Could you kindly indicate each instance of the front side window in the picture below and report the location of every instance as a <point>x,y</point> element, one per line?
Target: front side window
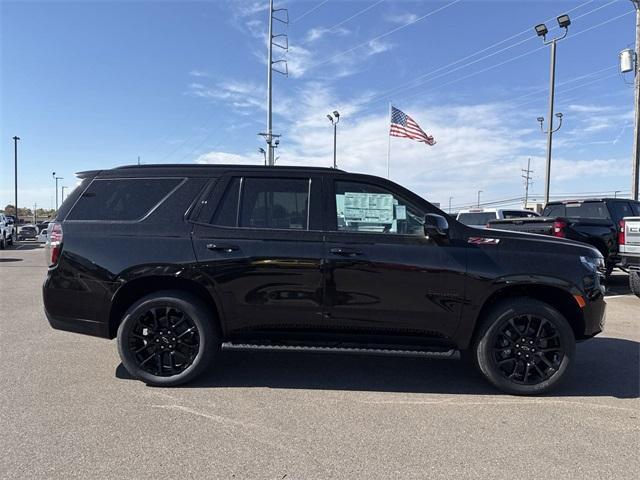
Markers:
<point>275,203</point>
<point>366,208</point>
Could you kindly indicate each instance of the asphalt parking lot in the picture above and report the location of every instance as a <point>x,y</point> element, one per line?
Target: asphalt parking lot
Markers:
<point>69,410</point>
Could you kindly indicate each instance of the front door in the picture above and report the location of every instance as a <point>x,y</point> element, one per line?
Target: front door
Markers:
<point>259,243</point>
<point>383,274</point>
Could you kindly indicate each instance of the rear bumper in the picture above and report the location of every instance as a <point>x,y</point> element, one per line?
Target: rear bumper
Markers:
<point>631,262</point>
<point>57,301</point>
<point>79,325</point>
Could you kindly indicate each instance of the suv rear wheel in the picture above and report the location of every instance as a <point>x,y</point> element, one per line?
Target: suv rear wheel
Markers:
<point>167,338</point>
<point>524,346</point>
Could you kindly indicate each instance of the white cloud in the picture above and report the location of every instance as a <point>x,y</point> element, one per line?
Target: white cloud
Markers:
<point>199,74</point>
<point>320,32</point>
<point>402,18</point>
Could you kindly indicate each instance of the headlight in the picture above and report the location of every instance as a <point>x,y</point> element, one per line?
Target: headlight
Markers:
<point>594,264</point>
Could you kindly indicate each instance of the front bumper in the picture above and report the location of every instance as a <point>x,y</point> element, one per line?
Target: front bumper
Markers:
<point>594,312</point>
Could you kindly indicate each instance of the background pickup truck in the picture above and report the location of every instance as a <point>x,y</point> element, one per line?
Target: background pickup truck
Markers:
<point>7,231</point>
<point>629,238</point>
<point>594,221</point>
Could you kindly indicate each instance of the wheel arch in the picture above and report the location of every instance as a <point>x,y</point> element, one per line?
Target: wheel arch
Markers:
<point>133,290</point>
<point>555,296</point>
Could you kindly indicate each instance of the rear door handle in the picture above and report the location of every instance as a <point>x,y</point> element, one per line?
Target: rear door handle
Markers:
<point>222,247</point>
<point>347,252</point>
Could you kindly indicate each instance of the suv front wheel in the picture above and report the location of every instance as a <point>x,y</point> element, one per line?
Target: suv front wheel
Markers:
<point>167,338</point>
<point>524,346</point>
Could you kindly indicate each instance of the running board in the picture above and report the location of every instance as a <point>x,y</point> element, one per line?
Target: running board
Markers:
<point>444,354</point>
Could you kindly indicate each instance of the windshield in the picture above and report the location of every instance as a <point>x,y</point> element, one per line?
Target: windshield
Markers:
<point>476,218</point>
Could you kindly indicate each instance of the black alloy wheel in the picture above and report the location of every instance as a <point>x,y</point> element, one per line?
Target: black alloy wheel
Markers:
<point>167,338</point>
<point>524,346</point>
<point>164,341</point>
<point>528,350</point>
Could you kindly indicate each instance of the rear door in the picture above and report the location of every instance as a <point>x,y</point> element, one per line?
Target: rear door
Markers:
<point>258,242</point>
<point>383,274</point>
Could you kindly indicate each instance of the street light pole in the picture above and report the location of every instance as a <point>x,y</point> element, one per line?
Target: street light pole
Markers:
<point>63,187</point>
<point>56,179</point>
<point>541,30</point>
<point>334,119</point>
<point>15,157</point>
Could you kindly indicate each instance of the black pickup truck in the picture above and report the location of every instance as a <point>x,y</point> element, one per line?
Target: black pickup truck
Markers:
<point>593,221</point>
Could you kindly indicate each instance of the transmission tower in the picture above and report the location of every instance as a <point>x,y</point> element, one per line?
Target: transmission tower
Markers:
<point>281,41</point>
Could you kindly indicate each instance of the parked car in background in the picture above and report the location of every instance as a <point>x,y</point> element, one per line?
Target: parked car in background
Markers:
<point>7,231</point>
<point>43,234</point>
<point>479,217</point>
<point>179,261</point>
<point>28,232</point>
<point>594,221</point>
<point>629,240</point>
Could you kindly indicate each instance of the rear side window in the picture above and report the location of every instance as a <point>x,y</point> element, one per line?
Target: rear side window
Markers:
<point>636,209</point>
<point>553,211</point>
<point>227,213</point>
<point>122,199</point>
<point>275,203</point>
<point>509,214</point>
<point>621,210</point>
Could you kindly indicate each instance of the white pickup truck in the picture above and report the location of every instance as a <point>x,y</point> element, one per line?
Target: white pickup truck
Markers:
<point>629,240</point>
<point>7,231</point>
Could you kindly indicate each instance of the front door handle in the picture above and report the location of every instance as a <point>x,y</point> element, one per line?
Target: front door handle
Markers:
<point>222,247</point>
<point>347,252</point>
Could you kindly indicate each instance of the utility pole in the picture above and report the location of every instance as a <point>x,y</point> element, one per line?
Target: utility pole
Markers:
<point>35,213</point>
<point>635,169</point>
<point>450,198</point>
<point>138,161</point>
<point>526,175</point>
<point>15,157</point>
<point>541,31</point>
<point>268,135</point>
<point>479,192</point>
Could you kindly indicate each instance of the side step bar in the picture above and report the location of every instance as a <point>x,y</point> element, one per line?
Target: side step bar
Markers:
<point>444,354</point>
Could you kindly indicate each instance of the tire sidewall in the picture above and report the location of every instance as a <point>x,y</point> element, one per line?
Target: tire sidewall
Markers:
<point>200,315</point>
<point>634,283</point>
<point>494,322</point>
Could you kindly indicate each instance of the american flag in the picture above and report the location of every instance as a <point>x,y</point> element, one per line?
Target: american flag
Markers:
<point>402,125</point>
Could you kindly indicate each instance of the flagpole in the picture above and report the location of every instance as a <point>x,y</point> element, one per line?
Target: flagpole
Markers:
<point>389,146</point>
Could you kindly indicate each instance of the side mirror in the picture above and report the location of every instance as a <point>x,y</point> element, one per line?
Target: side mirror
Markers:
<point>435,226</point>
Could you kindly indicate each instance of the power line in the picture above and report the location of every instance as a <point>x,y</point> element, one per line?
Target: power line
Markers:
<point>412,83</point>
<point>355,15</point>
<point>385,96</point>
<point>512,59</point>
<point>390,32</point>
<point>309,12</point>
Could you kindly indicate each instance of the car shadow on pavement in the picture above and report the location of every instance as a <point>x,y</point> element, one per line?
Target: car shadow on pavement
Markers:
<point>28,246</point>
<point>618,284</point>
<point>604,367</point>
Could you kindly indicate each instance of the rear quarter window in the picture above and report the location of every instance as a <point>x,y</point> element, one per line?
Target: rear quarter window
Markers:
<point>122,199</point>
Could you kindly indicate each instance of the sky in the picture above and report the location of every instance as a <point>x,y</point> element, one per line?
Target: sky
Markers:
<point>94,84</point>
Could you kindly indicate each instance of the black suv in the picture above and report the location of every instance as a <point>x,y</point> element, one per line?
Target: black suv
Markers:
<point>179,261</point>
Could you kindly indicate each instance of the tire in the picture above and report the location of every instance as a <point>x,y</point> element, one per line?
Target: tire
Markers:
<point>549,347</point>
<point>9,240</point>
<point>634,283</point>
<point>155,335</point>
<point>3,243</point>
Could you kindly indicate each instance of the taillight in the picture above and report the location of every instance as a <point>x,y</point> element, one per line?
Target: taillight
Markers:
<point>559,229</point>
<point>621,237</point>
<point>55,243</point>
